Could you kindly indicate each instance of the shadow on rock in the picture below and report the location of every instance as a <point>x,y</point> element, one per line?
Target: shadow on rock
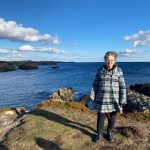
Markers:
<point>47,145</point>
<point>61,120</point>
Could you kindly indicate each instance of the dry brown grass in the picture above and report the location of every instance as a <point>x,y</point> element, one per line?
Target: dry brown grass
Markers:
<point>71,126</point>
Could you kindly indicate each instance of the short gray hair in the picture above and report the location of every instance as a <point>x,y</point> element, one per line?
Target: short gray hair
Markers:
<point>108,53</point>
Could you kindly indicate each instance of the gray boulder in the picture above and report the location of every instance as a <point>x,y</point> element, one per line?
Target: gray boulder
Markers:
<point>141,88</point>
<point>137,102</point>
<point>9,118</point>
<point>63,94</point>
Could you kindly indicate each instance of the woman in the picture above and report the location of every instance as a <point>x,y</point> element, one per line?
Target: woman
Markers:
<point>109,94</point>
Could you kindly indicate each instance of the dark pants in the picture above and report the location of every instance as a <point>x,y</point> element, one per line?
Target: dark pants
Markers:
<point>100,121</point>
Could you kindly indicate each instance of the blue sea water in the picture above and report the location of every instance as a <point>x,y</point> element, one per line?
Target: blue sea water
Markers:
<point>27,88</point>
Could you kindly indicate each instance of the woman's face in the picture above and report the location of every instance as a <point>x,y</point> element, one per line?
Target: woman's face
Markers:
<point>110,61</point>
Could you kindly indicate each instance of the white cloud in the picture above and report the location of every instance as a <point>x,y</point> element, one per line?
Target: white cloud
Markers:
<point>17,55</point>
<point>12,31</point>
<point>45,49</point>
<point>142,38</point>
<point>130,53</point>
<point>12,54</point>
<point>26,48</point>
<point>3,51</point>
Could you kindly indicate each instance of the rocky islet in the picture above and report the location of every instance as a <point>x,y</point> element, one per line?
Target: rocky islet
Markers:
<point>24,65</point>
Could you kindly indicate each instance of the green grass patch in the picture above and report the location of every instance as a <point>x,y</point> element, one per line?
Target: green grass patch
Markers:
<point>65,105</point>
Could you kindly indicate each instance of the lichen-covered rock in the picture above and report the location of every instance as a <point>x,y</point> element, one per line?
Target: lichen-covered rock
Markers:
<point>8,119</point>
<point>63,94</point>
<point>137,102</point>
<point>141,88</point>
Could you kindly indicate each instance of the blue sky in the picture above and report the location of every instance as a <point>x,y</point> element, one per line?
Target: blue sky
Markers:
<point>74,30</point>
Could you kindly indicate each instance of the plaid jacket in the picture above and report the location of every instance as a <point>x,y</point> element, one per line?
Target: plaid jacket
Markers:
<point>109,90</point>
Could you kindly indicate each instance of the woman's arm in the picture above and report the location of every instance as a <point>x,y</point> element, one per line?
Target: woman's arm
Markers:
<point>96,83</point>
<point>122,89</point>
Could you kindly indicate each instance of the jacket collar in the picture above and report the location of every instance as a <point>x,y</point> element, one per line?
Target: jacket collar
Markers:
<point>104,70</point>
<point>114,66</point>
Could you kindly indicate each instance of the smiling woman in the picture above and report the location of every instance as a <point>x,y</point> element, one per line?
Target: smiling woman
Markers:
<point>109,94</point>
<point>110,58</point>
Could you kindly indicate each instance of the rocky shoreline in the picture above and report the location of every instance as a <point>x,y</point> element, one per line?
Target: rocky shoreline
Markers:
<point>136,102</point>
<point>25,65</point>
<point>12,117</point>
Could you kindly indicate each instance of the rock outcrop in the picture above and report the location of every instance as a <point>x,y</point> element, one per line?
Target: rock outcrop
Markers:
<point>63,94</point>
<point>18,63</point>
<point>28,66</point>
<point>25,65</point>
<point>4,67</point>
<point>141,88</point>
<point>9,119</point>
<point>137,102</point>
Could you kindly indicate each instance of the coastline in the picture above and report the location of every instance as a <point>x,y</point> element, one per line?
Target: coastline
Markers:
<point>58,118</point>
<point>6,66</point>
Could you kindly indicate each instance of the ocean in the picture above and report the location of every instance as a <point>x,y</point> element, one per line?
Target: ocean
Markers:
<point>27,88</point>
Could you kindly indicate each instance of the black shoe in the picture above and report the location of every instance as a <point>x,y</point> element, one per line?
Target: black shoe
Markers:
<point>110,136</point>
<point>98,138</point>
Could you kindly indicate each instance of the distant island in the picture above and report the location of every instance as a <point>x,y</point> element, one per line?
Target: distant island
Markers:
<point>25,65</point>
